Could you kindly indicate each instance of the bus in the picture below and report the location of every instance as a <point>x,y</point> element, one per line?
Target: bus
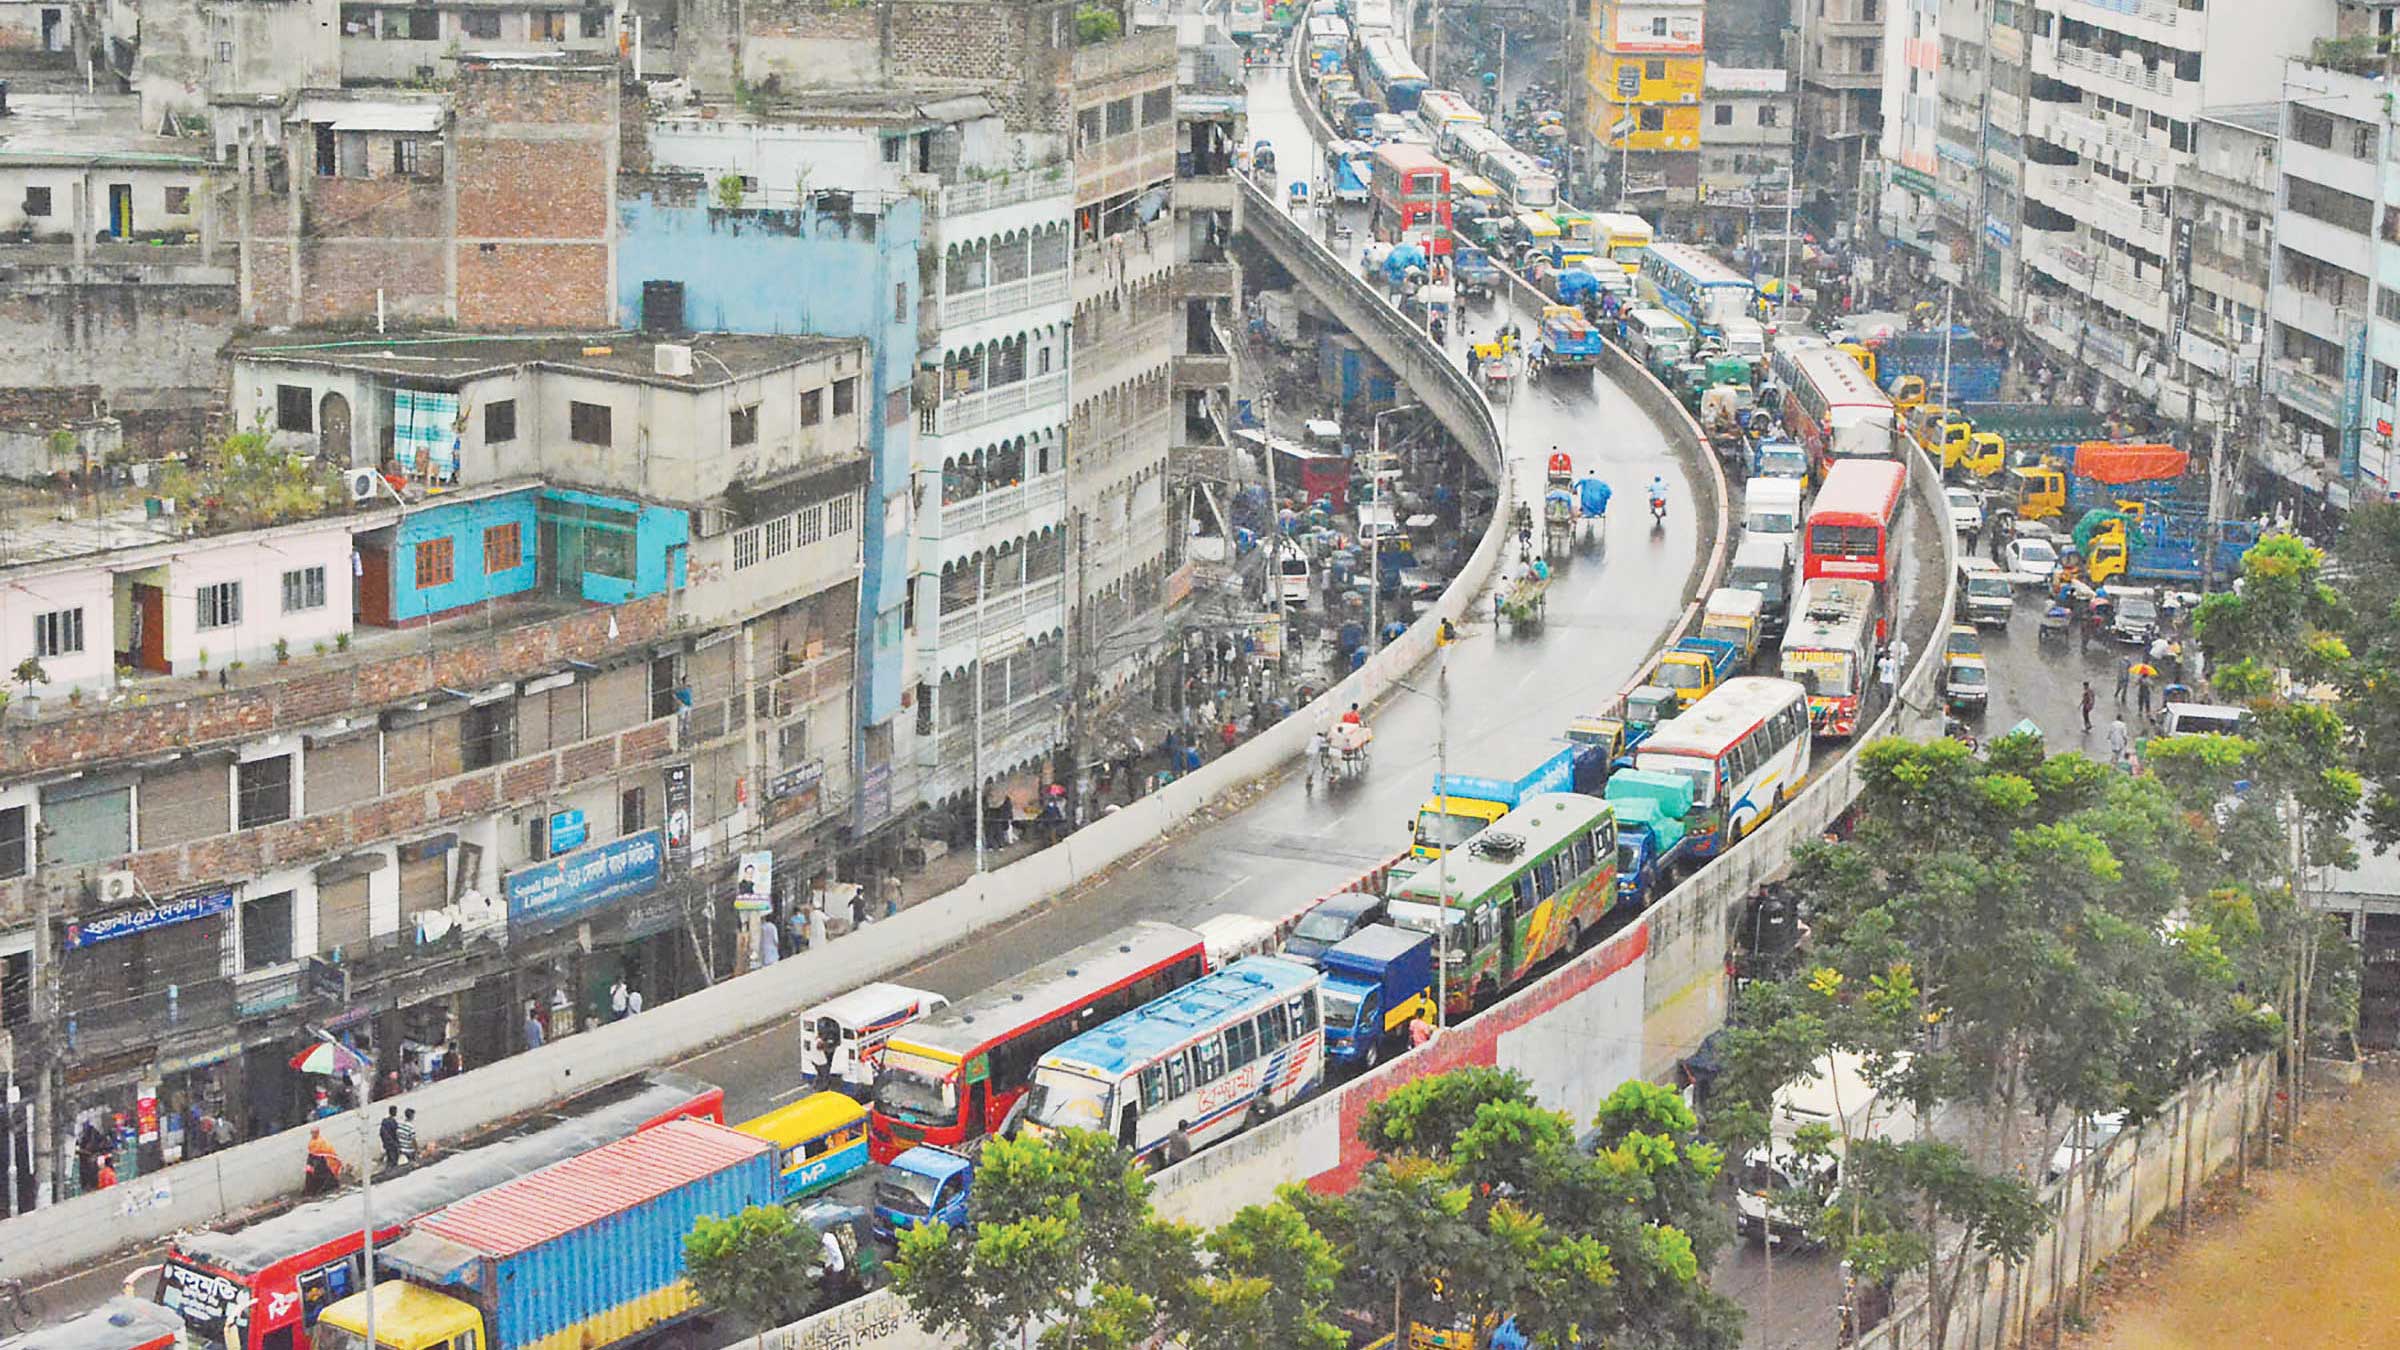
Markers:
<point>1442,111</point>
<point>1385,71</point>
<point>1409,198</point>
<point>1370,17</point>
<point>1744,746</point>
<point>1702,291</point>
<point>953,1077</point>
<point>1328,43</point>
<point>1850,530</point>
<point>1838,411</point>
<point>1179,1073</point>
<point>1245,19</point>
<point>1829,650</point>
<point>1624,237</point>
<point>1521,179</point>
<point>1578,230</point>
<point>1533,883</point>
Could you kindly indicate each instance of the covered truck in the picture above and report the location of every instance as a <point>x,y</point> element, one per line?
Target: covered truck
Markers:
<point>1376,981</point>
<point>1987,439</point>
<point>586,1253</point>
<point>1570,340</point>
<point>1911,364</point>
<point>1650,807</point>
<point>2100,474</point>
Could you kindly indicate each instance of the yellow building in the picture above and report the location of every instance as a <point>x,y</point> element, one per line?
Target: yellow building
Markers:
<point>1646,72</point>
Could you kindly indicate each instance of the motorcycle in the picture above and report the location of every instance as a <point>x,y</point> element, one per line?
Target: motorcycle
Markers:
<point>1658,513</point>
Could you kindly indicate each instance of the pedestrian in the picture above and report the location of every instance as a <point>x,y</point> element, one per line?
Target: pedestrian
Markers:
<point>633,1003</point>
<point>322,1169</point>
<point>2124,678</point>
<point>616,998</point>
<point>2142,692</point>
<point>1229,734</point>
<point>770,944</point>
<point>2158,650</point>
<point>1887,673</point>
<point>1420,1030</point>
<point>2089,698</point>
<point>408,1136</point>
<point>453,1063</point>
<point>1316,758</point>
<point>816,917</point>
<point>891,894</point>
<point>389,1132</point>
<point>107,1175</point>
<point>533,1026</point>
<point>2118,742</point>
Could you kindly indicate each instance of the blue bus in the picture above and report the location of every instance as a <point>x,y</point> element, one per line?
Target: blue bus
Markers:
<point>1697,288</point>
<point>1192,1067</point>
<point>1385,71</point>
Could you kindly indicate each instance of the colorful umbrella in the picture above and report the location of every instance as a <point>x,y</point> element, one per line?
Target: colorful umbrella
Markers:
<point>2144,671</point>
<point>329,1058</point>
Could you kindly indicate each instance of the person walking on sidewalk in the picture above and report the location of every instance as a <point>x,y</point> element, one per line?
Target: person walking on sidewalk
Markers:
<point>2124,677</point>
<point>2089,699</point>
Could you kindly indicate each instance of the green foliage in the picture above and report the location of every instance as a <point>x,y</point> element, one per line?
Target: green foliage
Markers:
<point>1096,23</point>
<point>29,672</point>
<point>245,483</point>
<point>2370,554</point>
<point>753,1266</point>
<point>728,191</point>
<point>1427,1115</point>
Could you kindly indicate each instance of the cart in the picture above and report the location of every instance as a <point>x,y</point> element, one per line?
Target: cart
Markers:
<point>1496,368</point>
<point>1346,752</point>
<point>2055,623</point>
<point>1558,523</point>
<point>1562,469</point>
<point>1526,602</point>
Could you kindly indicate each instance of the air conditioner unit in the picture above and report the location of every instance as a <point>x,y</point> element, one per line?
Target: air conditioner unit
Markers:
<point>363,483</point>
<point>670,358</point>
<point>118,888</point>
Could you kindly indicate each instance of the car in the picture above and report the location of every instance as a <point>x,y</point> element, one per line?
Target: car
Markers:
<point>1965,640</point>
<point>1966,509</point>
<point>1781,459</point>
<point>1332,919</point>
<point>1966,683</point>
<point>2086,1137</point>
<point>2032,561</point>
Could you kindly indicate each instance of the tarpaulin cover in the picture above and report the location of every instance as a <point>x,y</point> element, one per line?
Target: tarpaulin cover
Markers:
<point>2108,462</point>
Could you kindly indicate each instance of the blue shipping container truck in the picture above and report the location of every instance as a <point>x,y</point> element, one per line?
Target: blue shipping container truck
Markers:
<point>1975,372</point>
<point>1376,980</point>
<point>581,1255</point>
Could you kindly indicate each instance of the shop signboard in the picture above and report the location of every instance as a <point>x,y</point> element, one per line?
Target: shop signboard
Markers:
<point>568,830</point>
<point>754,884</point>
<point>679,812</point>
<point>562,889</point>
<point>159,914</point>
<point>797,779</point>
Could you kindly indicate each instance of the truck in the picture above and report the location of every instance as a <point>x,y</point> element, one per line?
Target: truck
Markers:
<point>1570,340</point>
<point>2100,475</point>
<point>921,1185</point>
<point>1650,807</point>
<point>1833,1093</point>
<point>587,1252</point>
<point>1376,981</point>
<point>1477,276</point>
<point>1733,615</point>
<point>2158,546</point>
<point>1462,803</point>
<point>1696,665</point>
<point>1911,366</point>
<point>2027,431</point>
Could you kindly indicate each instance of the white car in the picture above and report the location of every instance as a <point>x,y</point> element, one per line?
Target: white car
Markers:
<point>2033,562</point>
<point>1966,510</point>
<point>2097,1129</point>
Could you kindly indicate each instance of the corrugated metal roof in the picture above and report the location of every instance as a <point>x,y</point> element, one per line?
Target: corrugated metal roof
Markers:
<point>582,1190</point>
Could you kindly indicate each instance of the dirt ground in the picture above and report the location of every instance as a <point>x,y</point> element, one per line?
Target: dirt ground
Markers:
<point>2304,1259</point>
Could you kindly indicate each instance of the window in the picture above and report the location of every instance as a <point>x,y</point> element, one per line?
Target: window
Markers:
<point>179,201</point>
<point>1241,1044</point>
<point>1654,70</point>
<point>503,547</point>
<point>812,407</point>
<point>1868,54</point>
<point>303,589</point>
<point>1158,106</point>
<point>487,735</point>
<point>845,397</point>
<point>224,53</point>
<point>263,791</point>
<point>1208,1061</point>
<point>218,606</point>
<point>1270,1031</point>
<point>267,931</point>
<point>1179,1075</point>
<point>2387,382</point>
<point>37,201</point>
<point>436,564</point>
<point>1658,27</point>
<point>404,156</point>
<point>2387,304</point>
<point>1768,115</point>
<point>589,424</point>
<point>1120,117</point>
<point>899,302</point>
<point>58,633</point>
<point>1724,114</point>
<point>812,525</point>
<point>633,811</point>
<point>481,23</point>
<point>424,25</point>
<point>892,146</point>
<point>294,408</point>
<point>742,425</point>
<point>595,23</point>
<point>840,514</point>
<point>1303,1014</point>
<point>779,536</point>
<point>499,421</point>
<point>1154,1088</point>
<point>745,548</point>
<point>1654,119</point>
<point>12,841</point>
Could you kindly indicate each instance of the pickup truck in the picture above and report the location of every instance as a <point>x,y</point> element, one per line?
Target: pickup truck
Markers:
<point>1376,981</point>
<point>1464,803</point>
<point>1570,340</point>
<point>1477,276</point>
<point>1696,665</point>
<point>1650,808</point>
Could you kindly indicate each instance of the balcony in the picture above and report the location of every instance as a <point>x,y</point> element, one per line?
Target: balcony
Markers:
<point>2308,393</point>
<point>1009,189</point>
<point>1215,279</point>
<point>1009,299</point>
<point>1118,353</point>
<point>2326,243</point>
<point>965,412</point>
<point>1124,162</point>
<point>1003,622</point>
<point>1018,504</point>
<point>2314,314</point>
<point>2160,21</point>
<point>1203,371</point>
<point>1011,736</point>
<point>1207,194</point>
<point>2116,76</point>
<point>1127,258</point>
<point>2330,168</point>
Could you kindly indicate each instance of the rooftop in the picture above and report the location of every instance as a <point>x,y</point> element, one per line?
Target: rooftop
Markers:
<point>99,128</point>
<point>926,106</point>
<point>2264,118</point>
<point>717,358</point>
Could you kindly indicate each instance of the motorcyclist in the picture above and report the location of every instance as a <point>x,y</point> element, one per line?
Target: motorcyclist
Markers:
<point>1658,496</point>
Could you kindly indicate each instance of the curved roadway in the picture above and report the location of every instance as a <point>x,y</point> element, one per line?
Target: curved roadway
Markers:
<point>1508,693</point>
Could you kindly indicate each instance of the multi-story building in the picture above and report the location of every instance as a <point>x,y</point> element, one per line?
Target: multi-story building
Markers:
<point>1746,145</point>
<point>1838,57</point>
<point>1908,171</point>
<point>2225,205</point>
<point>445,693</point>
<point>1644,79</point>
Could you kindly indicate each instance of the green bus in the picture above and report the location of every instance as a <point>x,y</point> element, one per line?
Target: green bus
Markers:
<point>1533,883</point>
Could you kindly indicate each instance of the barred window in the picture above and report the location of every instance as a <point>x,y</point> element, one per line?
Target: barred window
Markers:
<point>812,524</point>
<point>779,536</point>
<point>745,548</point>
<point>840,515</point>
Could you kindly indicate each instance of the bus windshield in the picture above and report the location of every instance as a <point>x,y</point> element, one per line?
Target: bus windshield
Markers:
<point>1825,674</point>
<point>1067,1101</point>
<point>1702,773</point>
<point>1442,830</point>
<point>915,1088</point>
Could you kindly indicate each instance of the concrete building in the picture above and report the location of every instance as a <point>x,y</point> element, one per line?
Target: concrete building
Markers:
<point>402,758</point>
<point>1746,146</point>
<point>1906,176</point>
<point>1838,58</point>
<point>1644,79</point>
<point>2225,201</point>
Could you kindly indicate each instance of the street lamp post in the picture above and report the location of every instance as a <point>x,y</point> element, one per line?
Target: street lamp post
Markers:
<point>1373,531</point>
<point>1441,803</point>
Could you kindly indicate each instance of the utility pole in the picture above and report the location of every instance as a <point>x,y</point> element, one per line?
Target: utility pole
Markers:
<point>983,579</point>
<point>1283,627</point>
<point>1441,769</point>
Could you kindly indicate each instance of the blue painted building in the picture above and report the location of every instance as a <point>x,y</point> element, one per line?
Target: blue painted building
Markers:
<point>452,553</point>
<point>820,272</point>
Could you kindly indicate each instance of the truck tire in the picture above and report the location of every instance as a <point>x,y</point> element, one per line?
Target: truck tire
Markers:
<point>1374,1055</point>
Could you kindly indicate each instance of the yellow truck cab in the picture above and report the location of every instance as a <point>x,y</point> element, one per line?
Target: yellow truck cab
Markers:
<point>1732,615</point>
<point>1864,355</point>
<point>407,1317</point>
<point>1908,392</point>
<point>2037,493</point>
<point>1984,454</point>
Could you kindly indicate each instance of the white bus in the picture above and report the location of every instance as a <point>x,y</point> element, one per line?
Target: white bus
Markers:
<point>1829,648</point>
<point>1829,400</point>
<point>1521,179</point>
<point>1744,746</point>
<point>1469,143</point>
<point>1370,17</point>
<point>1442,111</point>
<point>1192,1067</point>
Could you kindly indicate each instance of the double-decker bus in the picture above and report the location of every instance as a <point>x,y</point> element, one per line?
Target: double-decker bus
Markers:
<point>1744,746</point>
<point>1521,178</point>
<point>1838,411</point>
<point>1444,113</point>
<point>1385,71</point>
<point>1695,287</point>
<point>1409,198</point>
<point>1533,883</point>
<point>1624,237</point>
<point>1181,1072</point>
<point>953,1077</point>
<point>1851,525</point>
<point>1829,650</point>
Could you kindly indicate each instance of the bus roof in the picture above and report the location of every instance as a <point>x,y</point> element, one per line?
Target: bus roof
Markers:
<point>1722,716</point>
<point>1130,1040</point>
<point>1449,106</point>
<point>1837,376</point>
<point>1622,222</point>
<point>1701,266</point>
<point>872,1003</point>
<point>968,1025</point>
<point>1408,157</point>
<point>1475,185</point>
<point>1860,492</point>
<point>1462,875</point>
<point>121,1323</point>
<point>1831,612</point>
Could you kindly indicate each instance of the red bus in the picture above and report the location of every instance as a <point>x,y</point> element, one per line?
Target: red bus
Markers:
<point>261,1287</point>
<point>952,1077</point>
<point>1410,198</point>
<point>1850,526</point>
<point>1829,401</point>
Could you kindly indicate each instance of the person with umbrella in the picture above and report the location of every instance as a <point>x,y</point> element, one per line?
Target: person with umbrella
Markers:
<point>2143,673</point>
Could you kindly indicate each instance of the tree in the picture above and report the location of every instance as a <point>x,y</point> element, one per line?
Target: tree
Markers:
<point>2369,551</point>
<point>753,1266</point>
<point>1269,1286</point>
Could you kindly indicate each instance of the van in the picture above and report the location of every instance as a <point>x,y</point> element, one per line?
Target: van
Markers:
<point>841,1039</point>
<point>2193,719</point>
<point>1764,564</point>
<point>1833,1093</point>
<point>1291,577</point>
<point>1745,338</point>
<point>1657,339</point>
<point>1375,521</point>
<point>1986,595</point>
<point>1390,127</point>
<point>1771,509</point>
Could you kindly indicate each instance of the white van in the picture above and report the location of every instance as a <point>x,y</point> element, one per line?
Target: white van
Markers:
<point>1771,510</point>
<point>1376,521</point>
<point>841,1039</point>
<point>2192,719</point>
<point>1745,338</point>
<point>1834,1093</point>
<point>1227,938</point>
<point>1657,338</point>
<point>1291,576</point>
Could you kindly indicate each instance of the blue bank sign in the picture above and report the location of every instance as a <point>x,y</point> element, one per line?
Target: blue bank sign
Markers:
<point>159,915</point>
<point>563,888</point>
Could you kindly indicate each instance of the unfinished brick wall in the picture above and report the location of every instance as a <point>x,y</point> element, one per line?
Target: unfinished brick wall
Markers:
<point>535,168</point>
<point>1011,44</point>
